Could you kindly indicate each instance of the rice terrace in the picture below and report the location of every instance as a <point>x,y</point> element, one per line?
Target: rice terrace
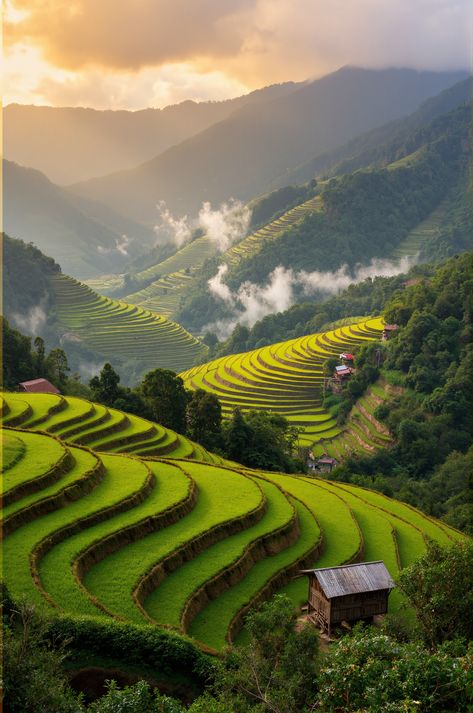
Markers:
<point>111,532</point>
<point>236,405</point>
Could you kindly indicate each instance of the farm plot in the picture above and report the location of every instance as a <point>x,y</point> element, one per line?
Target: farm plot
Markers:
<point>253,243</point>
<point>184,544</point>
<point>286,378</point>
<point>209,521</point>
<point>103,429</point>
<point>110,328</point>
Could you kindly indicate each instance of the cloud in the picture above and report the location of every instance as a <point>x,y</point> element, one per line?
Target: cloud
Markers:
<point>121,246</point>
<point>161,51</point>
<point>252,302</point>
<point>226,224</point>
<point>32,321</point>
<point>171,229</point>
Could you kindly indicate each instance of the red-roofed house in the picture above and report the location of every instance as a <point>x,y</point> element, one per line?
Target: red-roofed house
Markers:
<point>389,330</point>
<point>38,386</point>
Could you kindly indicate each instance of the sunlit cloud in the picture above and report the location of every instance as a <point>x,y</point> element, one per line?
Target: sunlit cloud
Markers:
<point>123,53</point>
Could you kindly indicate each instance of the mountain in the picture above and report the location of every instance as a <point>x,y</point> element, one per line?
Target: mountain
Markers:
<point>380,145</point>
<point>74,144</point>
<point>84,237</point>
<point>417,204</point>
<point>240,156</point>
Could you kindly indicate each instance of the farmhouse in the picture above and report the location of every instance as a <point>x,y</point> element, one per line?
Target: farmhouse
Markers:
<point>388,331</point>
<point>348,593</point>
<point>38,386</point>
<point>346,356</point>
<point>342,372</point>
<point>325,463</point>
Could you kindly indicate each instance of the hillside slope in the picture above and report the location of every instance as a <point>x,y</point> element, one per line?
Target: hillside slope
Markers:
<point>158,541</point>
<point>83,236</point>
<point>75,143</point>
<point>286,378</point>
<point>240,156</point>
<point>125,334</point>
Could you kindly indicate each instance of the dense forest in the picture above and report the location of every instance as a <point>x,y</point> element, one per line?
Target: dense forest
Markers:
<point>431,416</point>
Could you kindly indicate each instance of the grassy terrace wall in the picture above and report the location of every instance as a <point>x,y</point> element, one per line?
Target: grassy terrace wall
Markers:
<point>286,378</point>
<point>113,328</point>
<point>140,540</point>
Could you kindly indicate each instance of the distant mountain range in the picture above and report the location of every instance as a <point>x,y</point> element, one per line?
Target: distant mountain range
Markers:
<point>243,155</point>
<point>74,144</point>
<point>85,237</point>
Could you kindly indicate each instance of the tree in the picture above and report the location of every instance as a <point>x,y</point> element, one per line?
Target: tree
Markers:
<point>367,671</point>
<point>16,356</point>
<point>204,419</point>
<point>166,398</point>
<point>237,436</point>
<point>134,699</point>
<point>105,387</point>
<point>57,367</point>
<point>40,355</point>
<point>438,587</point>
<point>276,671</point>
<point>33,675</point>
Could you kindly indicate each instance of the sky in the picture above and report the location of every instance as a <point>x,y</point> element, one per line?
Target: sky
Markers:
<point>131,54</point>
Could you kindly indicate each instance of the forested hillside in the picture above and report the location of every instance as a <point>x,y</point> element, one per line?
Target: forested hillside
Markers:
<point>363,215</point>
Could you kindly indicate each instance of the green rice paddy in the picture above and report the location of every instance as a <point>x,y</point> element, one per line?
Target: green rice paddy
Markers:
<point>181,543</point>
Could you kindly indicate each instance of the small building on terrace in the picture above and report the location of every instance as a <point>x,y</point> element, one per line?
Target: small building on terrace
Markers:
<point>348,593</point>
<point>326,463</point>
<point>388,331</point>
<point>38,386</point>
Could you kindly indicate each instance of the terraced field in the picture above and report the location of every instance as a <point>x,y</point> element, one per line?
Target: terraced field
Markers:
<point>81,422</point>
<point>253,243</point>
<point>286,378</point>
<point>362,432</point>
<point>159,541</point>
<point>163,295</point>
<point>114,328</point>
<point>429,228</point>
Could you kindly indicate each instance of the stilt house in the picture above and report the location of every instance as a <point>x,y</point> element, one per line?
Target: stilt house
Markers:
<point>348,593</point>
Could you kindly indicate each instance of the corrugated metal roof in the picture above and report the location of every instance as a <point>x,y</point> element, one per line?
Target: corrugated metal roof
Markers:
<point>353,579</point>
<point>40,386</point>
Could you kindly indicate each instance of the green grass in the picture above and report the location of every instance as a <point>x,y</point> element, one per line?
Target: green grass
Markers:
<point>286,378</point>
<point>114,487</point>
<point>165,605</point>
<point>13,450</point>
<point>110,327</point>
<point>213,507</point>
<point>83,463</point>
<point>41,454</point>
<point>211,624</point>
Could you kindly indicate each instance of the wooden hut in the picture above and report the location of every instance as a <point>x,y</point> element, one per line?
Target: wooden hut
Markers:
<point>38,386</point>
<point>348,593</point>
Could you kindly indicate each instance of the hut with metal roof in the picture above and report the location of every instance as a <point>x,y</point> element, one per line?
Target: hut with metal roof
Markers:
<point>38,386</point>
<point>348,593</point>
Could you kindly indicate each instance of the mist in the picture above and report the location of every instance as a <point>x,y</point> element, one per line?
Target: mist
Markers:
<point>121,246</point>
<point>32,322</point>
<point>251,302</point>
<point>224,225</point>
<point>171,229</point>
